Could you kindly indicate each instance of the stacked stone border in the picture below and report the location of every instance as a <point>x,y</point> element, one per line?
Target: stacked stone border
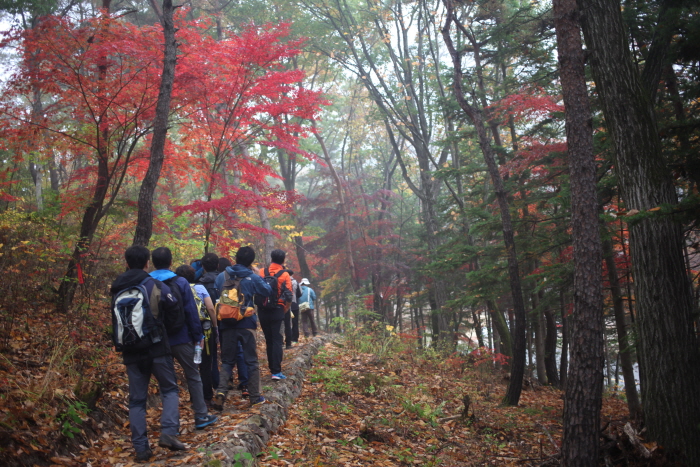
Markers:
<point>252,435</point>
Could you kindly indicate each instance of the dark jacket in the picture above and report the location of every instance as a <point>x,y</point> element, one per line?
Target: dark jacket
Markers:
<point>251,285</point>
<point>167,304</point>
<point>192,331</point>
<point>208,280</point>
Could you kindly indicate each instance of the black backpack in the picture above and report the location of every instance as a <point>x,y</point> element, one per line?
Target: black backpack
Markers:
<point>175,321</point>
<point>208,280</point>
<point>270,303</point>
<point>134,325</point>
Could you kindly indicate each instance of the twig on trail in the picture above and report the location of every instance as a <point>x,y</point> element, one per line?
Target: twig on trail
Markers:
<point>447,419</point>
<point>551,440</point>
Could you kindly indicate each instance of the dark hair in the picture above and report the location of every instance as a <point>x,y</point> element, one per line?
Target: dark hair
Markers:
<point>137,256</point>
<point>245,256</point>
<point>162,257</point>
<point>210,262</point>
<point>291,273</point>
<point>186,271</point>
<point>277,256</point>
<point>223,264</point>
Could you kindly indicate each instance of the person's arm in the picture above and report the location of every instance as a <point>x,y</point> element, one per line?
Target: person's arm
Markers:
<point>286,291</point>
<point>212,312</point>
<point>260,287</point>
<point>194,326</point>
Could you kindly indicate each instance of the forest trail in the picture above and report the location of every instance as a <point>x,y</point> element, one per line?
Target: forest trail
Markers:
<point>386,408</point>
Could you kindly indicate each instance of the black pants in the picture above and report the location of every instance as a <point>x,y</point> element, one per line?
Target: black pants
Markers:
<point>271,324</point>
<point>205,368</point>
<point>288,329</point>
<point>295,322</point>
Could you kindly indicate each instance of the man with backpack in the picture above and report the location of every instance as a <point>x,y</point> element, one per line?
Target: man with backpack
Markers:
<point>145,349</point>
<point>237,324</point>
<point>294,310</point>
<point>183,339</point>
<point>207,317</point>
<point>272,311</point>
<point>210,373</point>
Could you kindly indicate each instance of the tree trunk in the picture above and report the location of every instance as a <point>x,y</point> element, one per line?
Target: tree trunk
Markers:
<point>540,338</point>
<point>144,223</point>
<point>625,351</point>
<point>584,388</point>
<point>668,347</point>
<point>519,339</point>
<point>550,349</point>
<point>354,278</point>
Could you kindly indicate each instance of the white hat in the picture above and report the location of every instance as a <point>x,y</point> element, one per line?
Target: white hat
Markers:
<point>305,281</point>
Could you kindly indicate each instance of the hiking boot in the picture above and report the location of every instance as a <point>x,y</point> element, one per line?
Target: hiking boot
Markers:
<point>171,442</point>
<point>200,423</point>
<point>144,456</point>
<point>260,400</point>
<point>218,402</point>
<point>244,392</point>
<point>278,376</point>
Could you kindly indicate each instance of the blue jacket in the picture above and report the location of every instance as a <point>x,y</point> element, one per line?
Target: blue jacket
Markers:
<point>192,331</point>
<point>307,295</point>
<point>251,284</point>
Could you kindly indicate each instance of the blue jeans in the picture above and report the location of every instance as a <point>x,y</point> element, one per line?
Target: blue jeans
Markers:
<point>164,371</point>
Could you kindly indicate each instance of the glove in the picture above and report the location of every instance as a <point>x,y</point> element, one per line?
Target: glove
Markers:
<point>291,314</point>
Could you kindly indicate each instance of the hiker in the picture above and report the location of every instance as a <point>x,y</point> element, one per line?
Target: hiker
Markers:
<point>294,311</point>
<point>207,318</point>
<point>210,356</point>
<point>240,285</point>
<point>155,359</point>
<point>306,308</point>
<point>184,340</point>
<point>241,366</point>
<point>272,315</point>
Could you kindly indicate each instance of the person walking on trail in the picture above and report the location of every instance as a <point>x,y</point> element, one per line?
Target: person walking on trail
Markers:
<point>210,374</point>
<point>241,366</point>
<point>272,317</point>
<point>242,281</point>
<point>294,311</point>
<point>207,318</point>
<point>306,308</point>
<point>183,341</point>
<point>155,359</point>
<point>288,316</point>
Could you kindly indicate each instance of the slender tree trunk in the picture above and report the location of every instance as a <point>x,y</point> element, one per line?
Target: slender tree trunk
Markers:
<point>584,387</point>
<point>550,348</point>
<point>354,278</point>
<point>564,361</point>
<point>625,351</point>
<point>144,223</point>
<point>517,369</point>
<point>540,337</point>
<point>668,347</point>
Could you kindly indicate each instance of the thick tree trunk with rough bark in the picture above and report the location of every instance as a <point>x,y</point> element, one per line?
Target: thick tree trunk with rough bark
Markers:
<point>584,387</point>
<point>144,223</point>
<point>668,347</point>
